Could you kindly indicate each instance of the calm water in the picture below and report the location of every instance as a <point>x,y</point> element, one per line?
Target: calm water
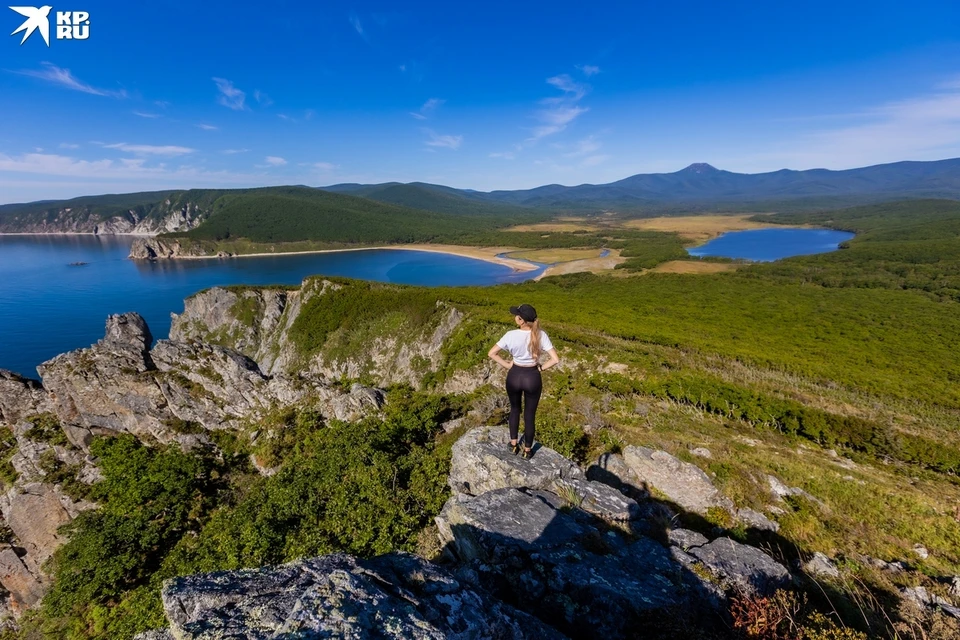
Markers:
<point>48,307</point>
<point>764,245</point>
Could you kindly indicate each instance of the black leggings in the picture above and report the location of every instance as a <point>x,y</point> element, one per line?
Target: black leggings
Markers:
<point>525,383</point>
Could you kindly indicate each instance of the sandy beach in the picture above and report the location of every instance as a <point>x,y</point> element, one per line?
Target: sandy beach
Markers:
<point>488,254</point>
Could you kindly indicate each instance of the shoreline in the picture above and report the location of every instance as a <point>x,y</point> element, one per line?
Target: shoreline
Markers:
<point>487,254</point>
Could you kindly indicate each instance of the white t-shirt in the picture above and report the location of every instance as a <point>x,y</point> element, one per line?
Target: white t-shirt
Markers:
<point>517,342</point>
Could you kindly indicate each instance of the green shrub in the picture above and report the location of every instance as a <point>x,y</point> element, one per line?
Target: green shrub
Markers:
<point>46,428</point>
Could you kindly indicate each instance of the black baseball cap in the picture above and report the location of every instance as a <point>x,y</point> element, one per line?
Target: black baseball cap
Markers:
<point>525,311</point>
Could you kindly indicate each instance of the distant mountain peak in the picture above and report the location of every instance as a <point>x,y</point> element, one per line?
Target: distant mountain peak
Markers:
<point>700,167</point>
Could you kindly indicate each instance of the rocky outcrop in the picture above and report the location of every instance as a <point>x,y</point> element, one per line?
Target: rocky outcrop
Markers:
<point>20,397</point>
<point>118,385</point>
<point>481,462</point>
<point>686,485</point>
<point>393,596</point>
<point>164,249</point>
<point>258,323</point>
<point>518,539</point>
<point>541,530</point>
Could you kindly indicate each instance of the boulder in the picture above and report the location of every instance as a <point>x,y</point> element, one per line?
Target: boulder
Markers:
<point>24,587</point>
<point>482,461</point>
<point>337,596</point>
<point>742,566</point>
<point>821,566</point>
<point>531,549</point>
<point>680,482</point>
<point>21,397</point>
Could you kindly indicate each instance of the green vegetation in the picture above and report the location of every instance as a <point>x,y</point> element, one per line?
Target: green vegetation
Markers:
<point>837,374</point>
<point>365,488</point>
<point>900,245</point>
<point>46,428</point>
<point>8,448</point>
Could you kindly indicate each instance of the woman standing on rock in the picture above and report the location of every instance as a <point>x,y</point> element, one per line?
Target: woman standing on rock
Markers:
<point>526,344</point>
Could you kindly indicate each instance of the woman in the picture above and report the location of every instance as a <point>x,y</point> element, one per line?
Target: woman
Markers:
<point>526,344</point>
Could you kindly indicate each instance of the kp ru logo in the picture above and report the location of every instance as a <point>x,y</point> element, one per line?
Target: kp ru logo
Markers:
<point>71,25</point>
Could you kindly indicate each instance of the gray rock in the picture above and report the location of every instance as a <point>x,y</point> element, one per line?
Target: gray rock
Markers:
<point>701,452</point>
<point>24,587</point>
<point>781,490</point>
<point>156,634</point>
<point>482,461</point>
<point>756,520</point>
<point>921,597</point>
<point>742,565</point>
<point>496,524</point>
<point>128,330</point>
<point>821,566</point>
<point>21,397</point>
<point>258,322</point>
<point>681,482</point>
<point>34,513</point>
<point>611,469</point>
<point>955,586</point>
<point>526,547</point>
<point>392,596</point>
<point>118,386</point>
<point>686,539</point>
<point>921,551</point>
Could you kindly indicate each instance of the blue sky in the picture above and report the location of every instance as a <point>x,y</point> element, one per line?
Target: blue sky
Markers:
<point>485,96</point>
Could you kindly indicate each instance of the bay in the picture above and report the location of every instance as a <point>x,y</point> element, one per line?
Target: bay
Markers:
<point>57,290</point>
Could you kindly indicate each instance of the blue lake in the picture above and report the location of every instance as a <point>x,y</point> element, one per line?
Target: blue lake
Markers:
<point>764,245</point>
<point>48,307</point>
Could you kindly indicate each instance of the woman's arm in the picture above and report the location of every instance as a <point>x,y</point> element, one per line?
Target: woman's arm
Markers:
<point>494,354</point>
<point>552,360</point>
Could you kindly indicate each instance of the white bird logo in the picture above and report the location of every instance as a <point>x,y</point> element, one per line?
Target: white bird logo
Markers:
<point>35,19</point>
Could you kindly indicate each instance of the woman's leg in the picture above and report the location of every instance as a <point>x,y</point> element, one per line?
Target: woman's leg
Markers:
<point>514,393</point>
<point>531,398</point>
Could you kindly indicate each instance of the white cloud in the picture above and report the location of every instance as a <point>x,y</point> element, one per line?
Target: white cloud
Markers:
<point>147,149</point>
<point>428,107</point>
<point>144,114</point>
<point>69,145</point>
<point>275,161</point>
<point>231,152</point>
<point>320,166</point>
<point>63,77</point>
<point>442,141</point>
<point>230,96</point>
<point>262,98</point>
<point>207,127</point>
<point>565,83</point>
<point>555,120</point>
<point>506,155</point>
<point>588,69</point>
<point>583,148</point>
<point>923,127</point>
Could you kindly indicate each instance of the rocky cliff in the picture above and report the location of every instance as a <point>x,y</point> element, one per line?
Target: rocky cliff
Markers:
<point>166,216</point>
<point>164,249</point>
<point>170,392</point>
<point>260,324</point>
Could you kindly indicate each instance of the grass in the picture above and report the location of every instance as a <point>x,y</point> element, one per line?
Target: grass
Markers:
<point>553,256</point>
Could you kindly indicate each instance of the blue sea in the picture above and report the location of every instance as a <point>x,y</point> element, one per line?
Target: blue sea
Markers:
<point>48,306</point>
<point>766,245</point>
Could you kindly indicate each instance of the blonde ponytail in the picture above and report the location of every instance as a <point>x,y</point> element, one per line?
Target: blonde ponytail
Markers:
<point>534,346</point>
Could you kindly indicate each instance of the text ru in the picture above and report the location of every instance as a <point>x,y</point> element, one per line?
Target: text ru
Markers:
<point>73,25</point>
